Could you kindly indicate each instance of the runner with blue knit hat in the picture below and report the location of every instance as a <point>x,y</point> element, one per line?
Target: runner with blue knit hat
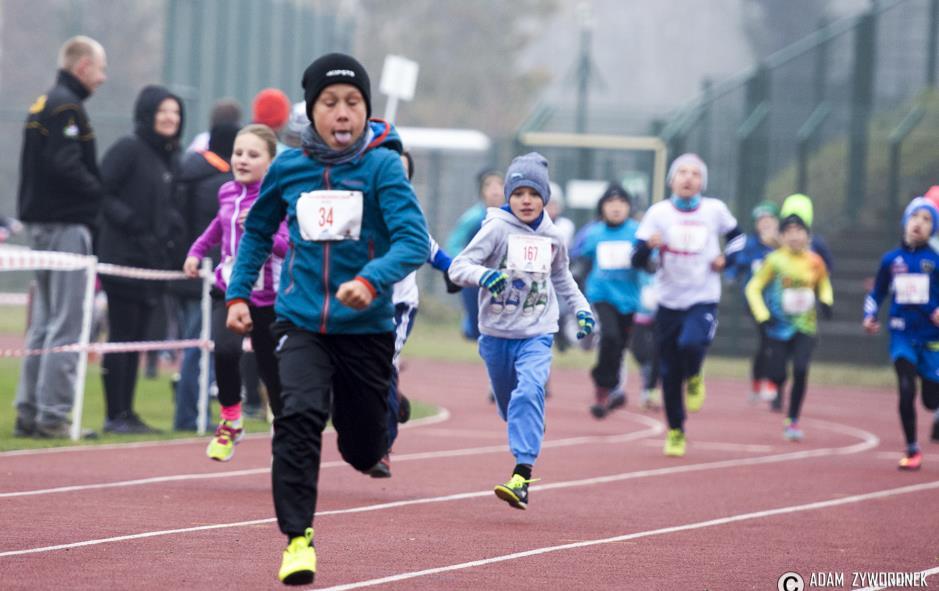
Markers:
<point>910,276</point>
<point>520,261</point>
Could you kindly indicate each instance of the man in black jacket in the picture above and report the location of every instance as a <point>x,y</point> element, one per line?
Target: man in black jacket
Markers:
<point>59,198</point>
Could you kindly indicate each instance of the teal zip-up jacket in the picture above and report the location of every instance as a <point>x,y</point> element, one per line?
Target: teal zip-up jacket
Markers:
<point>620,284</point>
<point>393,240</point>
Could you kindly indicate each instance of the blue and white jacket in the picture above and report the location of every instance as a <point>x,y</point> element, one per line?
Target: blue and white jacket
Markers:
<point>911,320</point>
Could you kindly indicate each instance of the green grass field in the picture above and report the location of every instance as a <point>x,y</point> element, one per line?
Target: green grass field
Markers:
<point>436,337</point>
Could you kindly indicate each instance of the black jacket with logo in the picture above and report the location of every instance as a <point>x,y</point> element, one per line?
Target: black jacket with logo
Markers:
<point>59,179</point>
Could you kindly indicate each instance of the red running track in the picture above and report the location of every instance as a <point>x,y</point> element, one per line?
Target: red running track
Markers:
<point>611,512</point>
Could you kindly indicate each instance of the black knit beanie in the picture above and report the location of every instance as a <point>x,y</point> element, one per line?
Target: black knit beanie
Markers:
<point>613,191</point>
<point>335,68</point>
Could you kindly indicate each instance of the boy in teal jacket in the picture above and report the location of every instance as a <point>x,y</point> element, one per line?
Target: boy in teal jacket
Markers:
<point>356,229</point>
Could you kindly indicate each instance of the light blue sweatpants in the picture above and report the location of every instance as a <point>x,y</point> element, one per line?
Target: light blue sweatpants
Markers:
<point>518,370</point>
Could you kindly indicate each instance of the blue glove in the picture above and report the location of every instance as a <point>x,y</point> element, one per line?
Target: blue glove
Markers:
<point>586,323</point>
<point>494,281</point>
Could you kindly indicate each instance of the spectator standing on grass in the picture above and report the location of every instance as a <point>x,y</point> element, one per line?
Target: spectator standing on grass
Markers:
<point>138,227</point>
<point>520,262</point>
<point>201,175</point>
<point>59,199</point>
<point>254,150</point>
<point>356,228</point>
<point>909,276</point>
<point>686,229</point>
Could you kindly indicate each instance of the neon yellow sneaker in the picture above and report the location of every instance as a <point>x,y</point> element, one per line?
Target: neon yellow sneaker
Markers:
<point>675,443</point>
<point>515,491</point>
<point>695,393</point>
<point>299,564</point>
<point>222,446</point>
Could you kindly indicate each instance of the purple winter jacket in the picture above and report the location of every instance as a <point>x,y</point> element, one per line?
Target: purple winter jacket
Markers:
<point>235,198</point>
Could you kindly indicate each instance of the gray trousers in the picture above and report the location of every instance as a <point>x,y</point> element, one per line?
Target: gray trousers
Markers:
<point>46,390</point>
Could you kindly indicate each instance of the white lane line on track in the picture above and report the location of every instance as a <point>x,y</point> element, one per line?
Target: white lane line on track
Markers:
<point>442,416</point>
<point>881,494</point>
<point>869,440</point>
<point>653,427</point>
<point>925,573</point>
<point>718,445</point>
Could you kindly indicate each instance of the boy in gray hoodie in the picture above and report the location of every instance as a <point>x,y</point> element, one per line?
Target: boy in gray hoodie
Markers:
<point>520,260</point>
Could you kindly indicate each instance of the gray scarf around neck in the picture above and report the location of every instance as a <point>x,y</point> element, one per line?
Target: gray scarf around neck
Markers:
<point>319,150</point>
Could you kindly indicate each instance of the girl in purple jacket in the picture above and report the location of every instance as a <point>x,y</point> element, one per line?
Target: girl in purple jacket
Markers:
<point>255,148</point>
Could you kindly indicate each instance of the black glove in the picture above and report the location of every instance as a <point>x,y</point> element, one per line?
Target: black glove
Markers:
<point>451,286</point>
<point>826,310</point>
<point>765,326</point>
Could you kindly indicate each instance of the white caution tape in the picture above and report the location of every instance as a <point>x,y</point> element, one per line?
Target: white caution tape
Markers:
<point>23,259</point>
<point>14,299</point>
<point>112,347</point>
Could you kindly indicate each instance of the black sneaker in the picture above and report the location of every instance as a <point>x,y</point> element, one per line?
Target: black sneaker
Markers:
<point>515,491</point>
<point>382,469</point>
<point>935,431</point>
<point>404,409</point>
<point>135,420</point>
<point>53,430</point>
<point>24,427</point>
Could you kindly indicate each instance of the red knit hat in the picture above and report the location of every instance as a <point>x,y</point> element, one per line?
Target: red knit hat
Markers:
<point>271,107</point>
<point>933,195</point>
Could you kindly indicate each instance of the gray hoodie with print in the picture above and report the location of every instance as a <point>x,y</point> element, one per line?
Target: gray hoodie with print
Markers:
<point>528,306</point>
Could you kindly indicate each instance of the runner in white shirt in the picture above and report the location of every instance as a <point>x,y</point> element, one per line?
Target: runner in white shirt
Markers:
<point>686,229</point>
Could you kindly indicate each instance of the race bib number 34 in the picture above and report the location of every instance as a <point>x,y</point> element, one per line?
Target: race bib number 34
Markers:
<point>911,288</point>
<point>529,254</point>
<point>330,215</point>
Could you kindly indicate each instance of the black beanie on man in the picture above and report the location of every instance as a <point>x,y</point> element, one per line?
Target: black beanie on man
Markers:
<point>335,68</point>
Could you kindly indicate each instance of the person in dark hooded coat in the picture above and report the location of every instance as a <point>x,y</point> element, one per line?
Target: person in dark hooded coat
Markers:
<point>138,228</point>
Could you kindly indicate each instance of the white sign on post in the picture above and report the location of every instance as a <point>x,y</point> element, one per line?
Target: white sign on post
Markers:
<point>398,81</point>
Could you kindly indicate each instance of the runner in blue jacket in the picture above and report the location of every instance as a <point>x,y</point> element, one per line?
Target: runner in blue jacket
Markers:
<point>910,276</point>
<point>356,229</point>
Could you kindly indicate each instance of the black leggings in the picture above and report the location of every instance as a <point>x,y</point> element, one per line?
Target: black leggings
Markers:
<point>642,345</point>
<point>228,354</point>
<point>906,381</point>
<point>777,355</point>
<point>614,337</point>
<point>758,369</point>
<point>128,320</point>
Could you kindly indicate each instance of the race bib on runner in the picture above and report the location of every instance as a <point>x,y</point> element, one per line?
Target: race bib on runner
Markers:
<point>229,265</point>
<point>687,238</point>
<point>330,215</point>
<point>614,254</point>
<point>911,288</point>
<point>529,254</point>
<point>797,300</point>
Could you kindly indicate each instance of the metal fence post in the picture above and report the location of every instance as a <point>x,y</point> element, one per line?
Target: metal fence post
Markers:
<point>862,102</point>
<point>88,311</point>
<point>205,334</point>
<point>753,142</point>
